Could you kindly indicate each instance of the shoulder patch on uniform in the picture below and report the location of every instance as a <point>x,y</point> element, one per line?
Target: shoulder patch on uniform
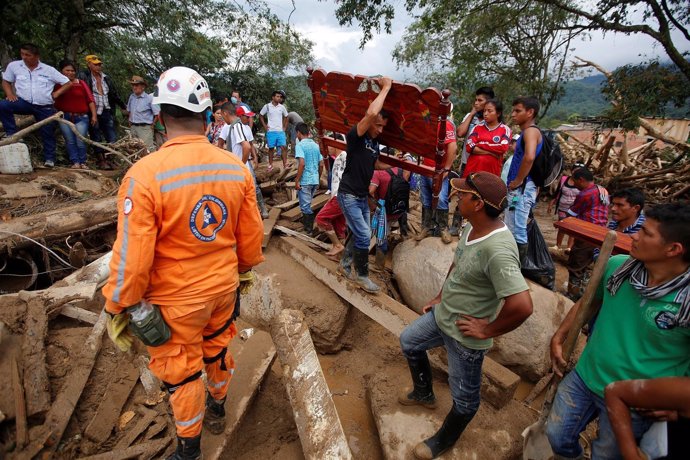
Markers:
<point>209,215</point>
<point>127,206</point>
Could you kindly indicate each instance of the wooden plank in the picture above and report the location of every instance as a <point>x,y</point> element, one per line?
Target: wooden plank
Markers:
<point>147,417</point>
<point>36,383</point>
<point>269,223</point>
<point>593,234</point>
<point>19,406</point>
<point>287,205</point>
<point>79,313</point>
<point>254,358</point>
<point>303,237</point>
<point>268,186</point>
<point>145,450</point>
<point>317,203</point>
<point>61,411</point>
<point>125,377</point>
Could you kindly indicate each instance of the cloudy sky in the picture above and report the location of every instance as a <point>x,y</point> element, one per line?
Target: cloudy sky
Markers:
<point>337,48</point>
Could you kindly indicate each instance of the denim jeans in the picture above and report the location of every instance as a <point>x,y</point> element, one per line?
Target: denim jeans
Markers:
<point>464,364</point>
<point>105,127</point>
<point>426,194</point>
<point>305,195</point>
<point>356,212</point>
<point>40,112</point>
<point>573,408</point>
<point>520,203</point>
<point>76,148</point>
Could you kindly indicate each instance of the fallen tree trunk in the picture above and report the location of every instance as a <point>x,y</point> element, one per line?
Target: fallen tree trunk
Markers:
<point>57,223</point>
<point>319,427</point>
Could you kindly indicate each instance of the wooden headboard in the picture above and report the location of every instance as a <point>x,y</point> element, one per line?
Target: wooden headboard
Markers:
<point>341,100</point>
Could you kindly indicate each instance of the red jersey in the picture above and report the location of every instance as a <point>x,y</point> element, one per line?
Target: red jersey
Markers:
<point>496,141</point>
<point>76,99</point>
<point>450,137</point>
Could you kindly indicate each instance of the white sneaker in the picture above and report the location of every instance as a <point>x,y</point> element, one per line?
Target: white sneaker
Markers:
<point>328,192</point>
<point>49,164</point>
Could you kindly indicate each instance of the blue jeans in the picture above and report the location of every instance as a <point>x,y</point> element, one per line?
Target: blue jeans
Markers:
<point>573,408</point>
<point>464,364</point>
<point>520,203</point>
<point>40,112</point>
<point>76,148</point>
<point>356,212</point>
<point>305,195</point>
<point>426,194</point>
<point>105,127</point>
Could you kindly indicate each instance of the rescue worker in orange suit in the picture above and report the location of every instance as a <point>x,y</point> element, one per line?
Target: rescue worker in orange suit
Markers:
<point>188,234</point>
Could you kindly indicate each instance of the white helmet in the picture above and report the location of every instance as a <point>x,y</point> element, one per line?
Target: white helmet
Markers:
<point>183,87</point>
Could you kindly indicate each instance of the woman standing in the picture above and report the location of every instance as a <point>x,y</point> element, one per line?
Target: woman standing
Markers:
<point>488,142</point>
<point>78,106</point>
<point>213,130</point>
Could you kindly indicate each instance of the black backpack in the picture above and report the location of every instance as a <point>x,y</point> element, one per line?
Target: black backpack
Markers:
<point>548,165</point>
<point>397,199</point>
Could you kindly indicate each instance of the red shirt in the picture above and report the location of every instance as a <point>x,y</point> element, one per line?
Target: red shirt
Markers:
<point>496,141</point>
<point>450,137</point>
<point>76,99</point>
<point>592,205</point>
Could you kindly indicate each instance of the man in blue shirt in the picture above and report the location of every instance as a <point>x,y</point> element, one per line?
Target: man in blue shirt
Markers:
<point>32,95</point>
<point>309,171</point>
<point>142,112</point>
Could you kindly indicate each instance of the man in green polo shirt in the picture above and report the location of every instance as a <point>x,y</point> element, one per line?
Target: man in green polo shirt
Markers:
<point>464,316</point>
<point>642,332</point>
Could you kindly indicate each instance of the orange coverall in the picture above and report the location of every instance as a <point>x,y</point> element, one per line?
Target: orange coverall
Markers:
<point>187,224</point>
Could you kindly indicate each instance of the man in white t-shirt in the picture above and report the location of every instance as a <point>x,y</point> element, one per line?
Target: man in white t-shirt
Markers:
<point>277,115</point>
<point>236,136</point>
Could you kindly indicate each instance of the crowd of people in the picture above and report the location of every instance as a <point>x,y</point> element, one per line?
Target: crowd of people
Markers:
<point>184,206</point>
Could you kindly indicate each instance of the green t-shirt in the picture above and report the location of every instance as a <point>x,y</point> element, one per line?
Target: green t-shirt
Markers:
<point>631,339</point>
<point>487,270</point>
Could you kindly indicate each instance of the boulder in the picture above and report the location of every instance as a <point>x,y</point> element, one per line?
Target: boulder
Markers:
<point>420,269</point>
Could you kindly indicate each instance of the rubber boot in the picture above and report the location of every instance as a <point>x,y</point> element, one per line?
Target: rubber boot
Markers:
<point>427,224</point>
<point>345,267</point>
<point>442,224</point>
<point>522,252</point>
<point>308,222</point>
<point>214,418</point>
<point>455,225</point>
<point>422,393</point>
<point>260,203</point>
<point>361,258</point>
<point>445,438</point>
<point>187,449</point>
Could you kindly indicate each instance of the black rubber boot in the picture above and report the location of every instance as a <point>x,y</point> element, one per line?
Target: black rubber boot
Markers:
<point>454,229</point>
<point>427,224</point>
<point>445,438</point>
<point>442,225</point>
<point>187,449</point>
<point>260,203</point>
<point>522,252</point>
<point>308,222</point>
<point>214,418</point>
<point>422,393</point>
<point>361,260</point>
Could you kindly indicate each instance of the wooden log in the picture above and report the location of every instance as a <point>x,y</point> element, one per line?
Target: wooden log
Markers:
<point>303,237</point>
<point>36,382</point>
<point>122,381</point>
<point>603,153</point>
<point>269,223</point>
<point>317,203</point>
<point>268,187</point>
<point>143,450</point>
<point>19,406</point>
<point>320,431</point>
<point>58,223</point>
<point>287,205</point>
<point>110,150</point>
<point>685,190</point>
<point>16,137</point>
<point>48,435</point>
<point>80,314</point>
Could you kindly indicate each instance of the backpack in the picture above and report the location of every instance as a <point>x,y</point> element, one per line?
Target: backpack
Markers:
<point>548,165</point>
<point>397,200</point>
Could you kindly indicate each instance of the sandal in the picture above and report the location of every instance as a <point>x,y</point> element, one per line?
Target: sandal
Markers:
<point>76,166</point>
<point>83,166</point>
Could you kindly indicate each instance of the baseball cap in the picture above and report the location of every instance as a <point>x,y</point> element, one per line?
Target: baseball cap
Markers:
<point>93,59</point>
<point>242,111</point>
<point>486,186</point>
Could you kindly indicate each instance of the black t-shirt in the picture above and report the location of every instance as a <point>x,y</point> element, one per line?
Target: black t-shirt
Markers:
<point>362,153</point>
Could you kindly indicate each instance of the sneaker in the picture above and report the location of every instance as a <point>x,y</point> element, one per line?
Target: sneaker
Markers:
<point>76,166</point>
<point>328,192</point>
<point>49,164</point>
